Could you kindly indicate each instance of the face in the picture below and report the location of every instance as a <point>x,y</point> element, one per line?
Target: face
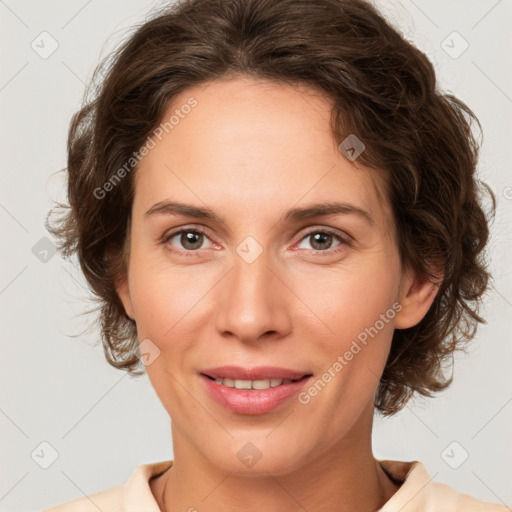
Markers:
<point>250,286</point>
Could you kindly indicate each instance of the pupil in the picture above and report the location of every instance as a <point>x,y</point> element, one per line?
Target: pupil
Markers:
<point>188,238</point>
<point>323,237</point>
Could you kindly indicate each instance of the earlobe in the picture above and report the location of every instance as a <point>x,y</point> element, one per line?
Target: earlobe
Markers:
<point>416,296</point>
<point>121,279</point>
<point>124,294</point>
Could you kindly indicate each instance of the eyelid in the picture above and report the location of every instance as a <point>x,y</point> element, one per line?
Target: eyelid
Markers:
<point>326,229</point>
<point>199,229</point>
<point>343,236</point>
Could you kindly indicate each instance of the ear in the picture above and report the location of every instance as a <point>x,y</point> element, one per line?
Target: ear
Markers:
<point>124,294</point>
<point>122,288</point>
<point>415,296</point>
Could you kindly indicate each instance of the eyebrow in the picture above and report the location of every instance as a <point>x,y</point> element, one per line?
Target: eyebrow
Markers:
<point>291,215</point>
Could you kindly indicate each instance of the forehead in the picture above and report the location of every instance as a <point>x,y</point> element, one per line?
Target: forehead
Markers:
<point>252,143</point>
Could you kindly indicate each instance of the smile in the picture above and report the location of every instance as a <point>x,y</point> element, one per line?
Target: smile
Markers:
<point>253,397</point>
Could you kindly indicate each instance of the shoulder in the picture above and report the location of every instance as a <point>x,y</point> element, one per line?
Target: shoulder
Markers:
<point>132,496</point>
<point>109,499</point>
<point>419,493</point>
<point>444,497</point>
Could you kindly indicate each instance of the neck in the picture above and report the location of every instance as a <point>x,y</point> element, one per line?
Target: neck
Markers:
<point>346,474</point>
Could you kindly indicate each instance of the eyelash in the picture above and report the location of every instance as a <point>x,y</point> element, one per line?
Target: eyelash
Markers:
<point>343,241</point>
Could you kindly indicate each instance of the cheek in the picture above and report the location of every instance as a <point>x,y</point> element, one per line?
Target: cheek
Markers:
<point>357,311</point>
<point>163,300</point>
<point>171,305</point>
<point>162,294</point>
<point>349,301</point>
<point>354,336</point>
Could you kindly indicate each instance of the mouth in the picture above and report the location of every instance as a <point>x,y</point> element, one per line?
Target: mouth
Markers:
<point>257,384</point>
<point>253,391</point>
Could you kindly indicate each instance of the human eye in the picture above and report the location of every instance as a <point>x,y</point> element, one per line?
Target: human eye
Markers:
<point>190,238</point>
<point>323,238</point>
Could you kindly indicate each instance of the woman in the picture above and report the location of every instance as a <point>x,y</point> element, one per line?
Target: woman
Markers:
<point>279,213</point>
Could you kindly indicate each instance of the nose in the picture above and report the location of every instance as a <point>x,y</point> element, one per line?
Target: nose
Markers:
<point>254,301</point>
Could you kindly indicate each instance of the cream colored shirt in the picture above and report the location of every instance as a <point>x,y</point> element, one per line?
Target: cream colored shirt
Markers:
<point>417,493</point>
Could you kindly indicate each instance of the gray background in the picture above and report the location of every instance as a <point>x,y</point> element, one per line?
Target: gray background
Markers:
<point>100,424</point>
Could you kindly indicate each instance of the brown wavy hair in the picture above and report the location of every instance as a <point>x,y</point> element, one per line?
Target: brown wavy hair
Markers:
<point>382,88</point>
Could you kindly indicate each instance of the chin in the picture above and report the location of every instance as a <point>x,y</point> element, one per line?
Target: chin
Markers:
<point>257,454</point>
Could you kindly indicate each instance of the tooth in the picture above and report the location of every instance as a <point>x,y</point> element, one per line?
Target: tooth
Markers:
<point>252,384</point>
<point>261,384</point>
<point>242,384</point>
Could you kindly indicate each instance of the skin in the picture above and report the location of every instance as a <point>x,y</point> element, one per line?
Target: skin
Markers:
<point>251,150</point>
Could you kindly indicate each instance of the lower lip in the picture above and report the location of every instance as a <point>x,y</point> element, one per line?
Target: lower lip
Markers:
<point>253,401</point>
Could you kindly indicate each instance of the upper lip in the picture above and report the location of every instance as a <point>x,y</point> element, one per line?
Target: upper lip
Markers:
<point>257,373</point>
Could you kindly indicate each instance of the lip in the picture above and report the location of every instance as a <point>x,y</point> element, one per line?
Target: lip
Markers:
<point>257,373</point>
<point>254,401</point>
